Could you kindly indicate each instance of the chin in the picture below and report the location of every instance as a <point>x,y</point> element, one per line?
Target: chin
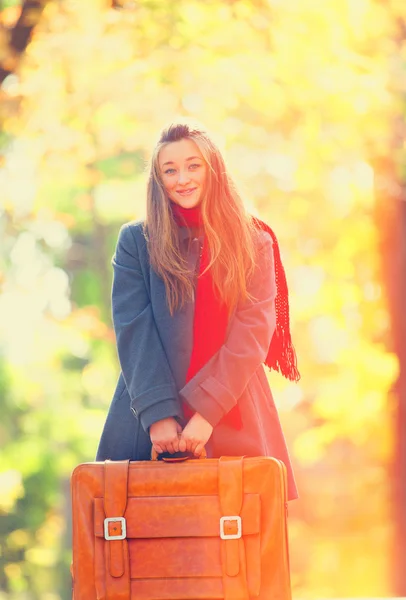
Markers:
<point>192,205</point>
<point>185,203</point>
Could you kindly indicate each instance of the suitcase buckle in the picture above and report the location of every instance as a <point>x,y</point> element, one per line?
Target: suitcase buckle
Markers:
<point>231,536</point>
<point>123,533</point>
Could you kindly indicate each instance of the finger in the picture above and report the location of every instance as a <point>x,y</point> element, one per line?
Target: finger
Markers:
<point>190,442</point>
<point>199,449</point>
<point>170,447</point>
<point>175,444</point>
<point>184,443</point>
<point>195,445</point>
<point>158,448</point>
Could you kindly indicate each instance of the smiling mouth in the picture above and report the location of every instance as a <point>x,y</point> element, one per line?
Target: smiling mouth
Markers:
<point>186,192</point>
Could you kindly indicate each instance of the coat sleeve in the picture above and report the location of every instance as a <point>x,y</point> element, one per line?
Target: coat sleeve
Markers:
<point>217,386</point>
<point>143,361</point>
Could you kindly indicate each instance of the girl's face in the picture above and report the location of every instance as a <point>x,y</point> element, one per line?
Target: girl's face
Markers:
<point>183,172</point>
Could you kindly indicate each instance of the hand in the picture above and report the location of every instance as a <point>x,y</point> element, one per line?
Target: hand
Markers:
<point>164,435</point>
<point>195,435</point>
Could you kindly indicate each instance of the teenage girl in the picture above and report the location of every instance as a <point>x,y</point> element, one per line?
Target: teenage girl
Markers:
<point>199,305</point>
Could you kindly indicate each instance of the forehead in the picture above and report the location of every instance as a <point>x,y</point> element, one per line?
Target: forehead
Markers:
<point>178,152</point>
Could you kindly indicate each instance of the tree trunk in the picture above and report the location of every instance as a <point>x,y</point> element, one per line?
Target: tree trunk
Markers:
<point>20,36</point>
<point>391,220</point>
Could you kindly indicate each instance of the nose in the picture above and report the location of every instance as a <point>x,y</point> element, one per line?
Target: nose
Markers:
<point>183,177</point>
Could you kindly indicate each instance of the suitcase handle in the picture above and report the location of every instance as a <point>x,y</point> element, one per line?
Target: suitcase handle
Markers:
<point>176,457</point>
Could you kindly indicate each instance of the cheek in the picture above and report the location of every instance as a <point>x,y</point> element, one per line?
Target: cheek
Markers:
<point>168,184</point>
<point>203,177</point>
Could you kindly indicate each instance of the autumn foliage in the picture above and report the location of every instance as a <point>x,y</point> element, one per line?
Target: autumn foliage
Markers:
<point>303,98</point>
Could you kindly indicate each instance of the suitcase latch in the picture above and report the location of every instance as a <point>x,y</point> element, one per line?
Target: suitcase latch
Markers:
<point>120,536</point>
<point>230,536</point>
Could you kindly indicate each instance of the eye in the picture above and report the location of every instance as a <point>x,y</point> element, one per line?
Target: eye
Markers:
<point>193,166</point>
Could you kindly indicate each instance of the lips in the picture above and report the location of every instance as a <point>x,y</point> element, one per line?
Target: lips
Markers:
<point>186,192</point>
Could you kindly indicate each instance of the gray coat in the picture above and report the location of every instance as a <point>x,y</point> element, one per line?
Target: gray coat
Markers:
<point>154,351</point>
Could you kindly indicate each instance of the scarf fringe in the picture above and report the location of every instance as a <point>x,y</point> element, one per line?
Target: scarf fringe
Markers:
<point>282,357</point>
<point>281,354</point>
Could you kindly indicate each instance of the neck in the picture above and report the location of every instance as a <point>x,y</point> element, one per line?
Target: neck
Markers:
<point>187,217</point>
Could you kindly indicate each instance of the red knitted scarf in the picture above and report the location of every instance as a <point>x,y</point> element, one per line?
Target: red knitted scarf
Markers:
<point>211,319</point>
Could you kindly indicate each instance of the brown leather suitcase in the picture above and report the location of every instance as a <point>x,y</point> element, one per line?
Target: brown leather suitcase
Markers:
<point>206,529</point>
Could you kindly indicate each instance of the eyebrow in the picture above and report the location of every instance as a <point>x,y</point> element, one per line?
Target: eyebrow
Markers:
<point>170,162</point>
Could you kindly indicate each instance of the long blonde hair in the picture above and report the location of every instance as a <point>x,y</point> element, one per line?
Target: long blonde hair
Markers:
<point>229,229</point>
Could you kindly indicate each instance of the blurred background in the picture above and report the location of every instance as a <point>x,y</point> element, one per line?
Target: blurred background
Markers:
<point>307,101</point>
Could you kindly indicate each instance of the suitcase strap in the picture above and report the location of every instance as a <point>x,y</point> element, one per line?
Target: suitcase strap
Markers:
<point>230,477</point>
<point>116,556</point>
